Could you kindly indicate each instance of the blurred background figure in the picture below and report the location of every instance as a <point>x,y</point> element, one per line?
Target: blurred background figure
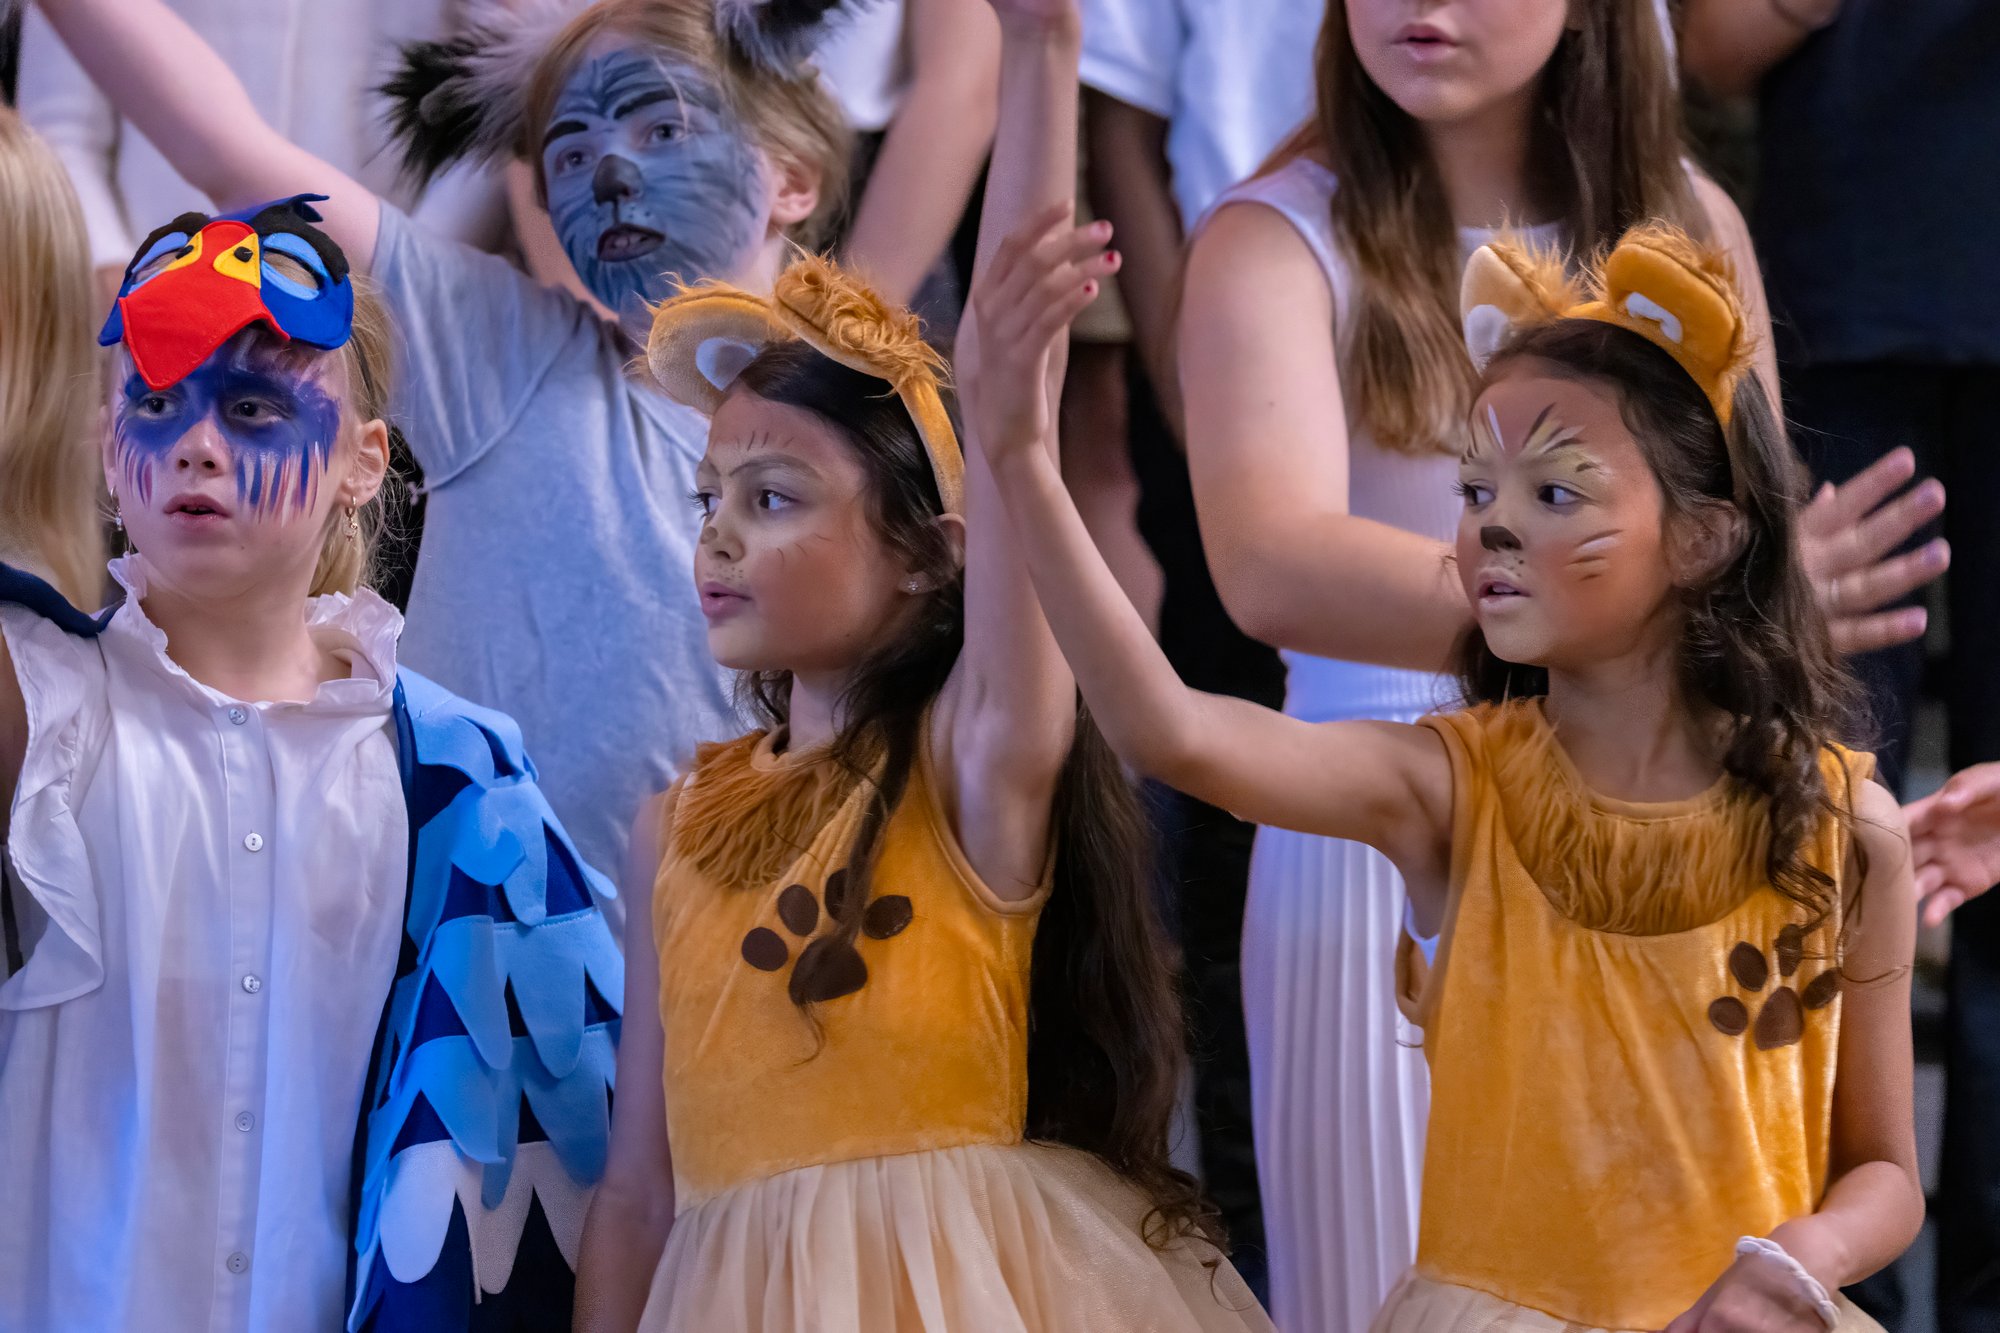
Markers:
<point>1875,201</point>
<point>312,69</point>
<point>50,521</point>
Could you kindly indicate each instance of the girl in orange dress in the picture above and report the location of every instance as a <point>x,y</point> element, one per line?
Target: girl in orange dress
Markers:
<point>891,956</point>
<point>1667,1019</point>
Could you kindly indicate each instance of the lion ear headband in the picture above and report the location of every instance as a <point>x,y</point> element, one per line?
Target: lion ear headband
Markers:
<point>704,337</point>
<point>1656,283</point>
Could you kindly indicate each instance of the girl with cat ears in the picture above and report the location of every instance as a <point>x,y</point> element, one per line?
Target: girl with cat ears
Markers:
<point>903,1047</point>
<point>1655,872</point>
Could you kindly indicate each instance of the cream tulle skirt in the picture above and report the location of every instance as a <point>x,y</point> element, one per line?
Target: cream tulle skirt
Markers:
<point>1424,1305</point>
<point>1017,1238</point>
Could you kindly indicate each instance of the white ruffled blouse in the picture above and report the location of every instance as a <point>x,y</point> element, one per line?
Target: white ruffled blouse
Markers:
<point>202,910</point>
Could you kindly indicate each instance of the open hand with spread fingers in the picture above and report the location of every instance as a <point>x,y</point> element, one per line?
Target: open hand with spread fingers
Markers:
<point>1040,279</point>
<point>1955,841</point>
<point>1846,535</point>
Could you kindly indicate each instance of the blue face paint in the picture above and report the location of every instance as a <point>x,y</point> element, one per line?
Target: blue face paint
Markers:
<point>649,177</point>
<point>279,422</point>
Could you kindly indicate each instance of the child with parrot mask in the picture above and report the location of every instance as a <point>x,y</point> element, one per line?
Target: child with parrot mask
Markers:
<point>674,141</point>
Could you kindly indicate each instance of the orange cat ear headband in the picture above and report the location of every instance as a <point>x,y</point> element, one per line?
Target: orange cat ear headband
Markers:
<point>1657,283</point>
<point>703,338</point>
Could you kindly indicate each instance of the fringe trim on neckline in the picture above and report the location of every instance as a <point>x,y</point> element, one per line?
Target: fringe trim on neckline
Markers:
<point>1623,871</point>
<point>743,819</point>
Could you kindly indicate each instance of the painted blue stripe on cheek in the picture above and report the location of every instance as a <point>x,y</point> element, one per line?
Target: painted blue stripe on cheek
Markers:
<point>279,426</point>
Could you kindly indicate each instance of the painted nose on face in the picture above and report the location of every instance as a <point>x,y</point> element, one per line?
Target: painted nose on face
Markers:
<point>617,179</point>
<point>1496,538</point>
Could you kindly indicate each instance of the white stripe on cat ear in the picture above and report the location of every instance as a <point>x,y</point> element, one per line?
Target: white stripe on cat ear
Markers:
<point>721,360</point>
<point>1486,327</point>
<point>1641,306</point>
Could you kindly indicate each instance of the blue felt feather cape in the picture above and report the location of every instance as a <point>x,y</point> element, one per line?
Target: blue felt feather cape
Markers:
<point>488,1103</point>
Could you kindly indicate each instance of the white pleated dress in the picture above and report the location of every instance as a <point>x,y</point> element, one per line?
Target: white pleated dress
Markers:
<point>1339,1090</point>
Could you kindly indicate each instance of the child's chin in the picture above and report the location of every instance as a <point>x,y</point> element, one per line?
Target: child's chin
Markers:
<point>735,652</point>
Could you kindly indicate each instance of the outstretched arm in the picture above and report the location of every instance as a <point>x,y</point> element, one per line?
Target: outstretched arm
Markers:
<point>1008,714</point>
<point>180,94</point>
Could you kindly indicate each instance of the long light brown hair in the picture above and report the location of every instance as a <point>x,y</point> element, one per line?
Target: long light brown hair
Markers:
<point>1606,149</point>
<point>50,481</point>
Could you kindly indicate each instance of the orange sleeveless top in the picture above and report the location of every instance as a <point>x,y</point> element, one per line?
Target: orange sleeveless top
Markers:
<point>1632,1042</point>
<point>916,1037</point>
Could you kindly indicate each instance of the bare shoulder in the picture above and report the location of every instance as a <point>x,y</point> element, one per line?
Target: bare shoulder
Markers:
<point>1243,246</point>
<point>1881,837</point>
<point>1725,219</point>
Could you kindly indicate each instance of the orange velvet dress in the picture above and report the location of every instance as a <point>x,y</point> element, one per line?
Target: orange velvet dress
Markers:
<point>858,1165</point>
<point>1632,1044</point>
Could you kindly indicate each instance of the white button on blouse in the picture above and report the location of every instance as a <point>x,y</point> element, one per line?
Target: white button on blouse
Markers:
<point>139,1045</point>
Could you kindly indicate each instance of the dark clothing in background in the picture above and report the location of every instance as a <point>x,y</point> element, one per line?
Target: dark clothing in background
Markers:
<point>1878,209</point>
<point>1878,195</point>
<point>1204,853</point>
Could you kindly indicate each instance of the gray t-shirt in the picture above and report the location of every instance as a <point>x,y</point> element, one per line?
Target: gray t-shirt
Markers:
<point>556,580</point>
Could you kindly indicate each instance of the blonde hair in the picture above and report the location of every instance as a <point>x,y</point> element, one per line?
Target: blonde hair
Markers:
<point>346,563</point>
<point>50,477</point>
<point>793,118</point>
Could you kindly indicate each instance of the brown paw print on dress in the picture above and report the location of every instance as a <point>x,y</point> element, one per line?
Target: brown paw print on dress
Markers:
<point>1781,1020</point>
<point>830,966</point>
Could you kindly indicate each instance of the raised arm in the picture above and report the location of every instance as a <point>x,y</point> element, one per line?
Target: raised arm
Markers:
<point>167,82</point>
<point>1009,711</point>
<point>931,155</point>
<point>1382,783</point>
<point>1267,450</point>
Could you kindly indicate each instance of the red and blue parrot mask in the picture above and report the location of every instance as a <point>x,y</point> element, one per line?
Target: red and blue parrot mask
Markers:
<point>199,281</point>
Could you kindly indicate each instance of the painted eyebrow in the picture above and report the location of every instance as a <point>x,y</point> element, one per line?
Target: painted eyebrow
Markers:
<point>645,99</point>
<point>780,463</point>
<point>561,128</point>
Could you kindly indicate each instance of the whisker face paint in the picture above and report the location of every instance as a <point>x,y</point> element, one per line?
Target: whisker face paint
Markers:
<point>1562,544</point>
<point>651,177</point>
<point>278,419</point>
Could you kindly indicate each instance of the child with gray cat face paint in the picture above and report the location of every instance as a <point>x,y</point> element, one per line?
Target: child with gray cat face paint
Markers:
<point>673,141</point>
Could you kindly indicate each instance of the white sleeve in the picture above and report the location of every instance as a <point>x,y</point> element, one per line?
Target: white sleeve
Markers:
<point>54,923</point>
<point>59,101</point>
<point>1132,51</point>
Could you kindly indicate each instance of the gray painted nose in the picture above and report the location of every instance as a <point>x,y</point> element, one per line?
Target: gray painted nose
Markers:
<point>617,179</point>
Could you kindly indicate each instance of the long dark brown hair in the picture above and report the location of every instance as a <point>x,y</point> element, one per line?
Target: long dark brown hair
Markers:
<point>1755,647</point>
<point>1105,1053</point>
<point>1606,151</point>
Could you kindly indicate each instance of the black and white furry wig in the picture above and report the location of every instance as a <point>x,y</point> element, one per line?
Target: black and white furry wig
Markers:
<point>466,97</point>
